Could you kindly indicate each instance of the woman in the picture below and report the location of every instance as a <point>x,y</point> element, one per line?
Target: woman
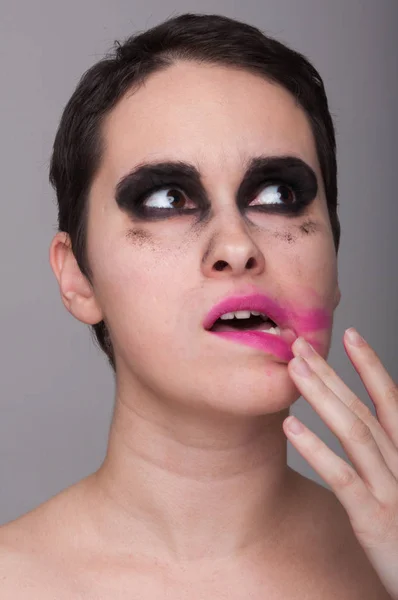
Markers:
<point>195,173</point>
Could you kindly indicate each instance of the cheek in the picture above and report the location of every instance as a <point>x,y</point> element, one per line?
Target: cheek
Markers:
<point>309,249</point>
<point>133,277</point>
<point>306,267</point>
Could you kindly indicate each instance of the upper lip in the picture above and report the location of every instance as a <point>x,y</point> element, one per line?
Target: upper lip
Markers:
<point>258,302</point>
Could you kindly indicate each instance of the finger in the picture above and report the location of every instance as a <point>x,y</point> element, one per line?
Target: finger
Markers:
<point>343,392</point>
<point>382,389</point>
<point>354,435</point>
<point>345,482</point>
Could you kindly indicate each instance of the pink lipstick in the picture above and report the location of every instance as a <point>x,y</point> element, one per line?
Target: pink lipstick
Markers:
<point>277,343</point>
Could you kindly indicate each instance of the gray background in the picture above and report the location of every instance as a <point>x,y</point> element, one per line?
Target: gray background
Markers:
<point>56,390</point>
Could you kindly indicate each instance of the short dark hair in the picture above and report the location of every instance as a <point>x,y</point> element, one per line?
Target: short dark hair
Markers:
<point>208,39</point>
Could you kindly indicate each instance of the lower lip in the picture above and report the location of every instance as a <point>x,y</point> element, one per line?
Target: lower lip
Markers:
<point>268,342</point>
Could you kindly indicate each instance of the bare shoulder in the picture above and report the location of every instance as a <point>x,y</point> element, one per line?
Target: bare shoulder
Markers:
<point>42,552</point>
<point>341,561</point>
<point>19,568</point>
<point>21,574</point>
<point>32,559</point>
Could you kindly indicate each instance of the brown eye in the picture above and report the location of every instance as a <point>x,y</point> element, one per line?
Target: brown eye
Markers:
<point>166,198</point>
<point>276,194</point>
<point>286,194</point>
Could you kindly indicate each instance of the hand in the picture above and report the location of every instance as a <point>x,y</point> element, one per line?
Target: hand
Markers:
<point>369,493</point>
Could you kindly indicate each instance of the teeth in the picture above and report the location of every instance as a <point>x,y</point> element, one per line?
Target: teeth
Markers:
<point>245,314</point>
<point>273,330</point>
<point>227,316</point>
<point>241,314</point>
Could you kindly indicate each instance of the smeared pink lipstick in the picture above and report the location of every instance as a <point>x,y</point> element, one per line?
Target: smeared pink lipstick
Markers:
<point>306,321</point>
<point>278,345</point>
<point>268,342</point>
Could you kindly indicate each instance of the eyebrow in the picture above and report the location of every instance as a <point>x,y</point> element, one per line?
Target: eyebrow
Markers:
<point>257,168</point>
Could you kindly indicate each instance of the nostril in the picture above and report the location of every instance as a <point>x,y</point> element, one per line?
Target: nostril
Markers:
<point>220,265</point>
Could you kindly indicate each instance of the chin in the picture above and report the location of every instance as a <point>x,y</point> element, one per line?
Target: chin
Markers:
<point>245,392</point>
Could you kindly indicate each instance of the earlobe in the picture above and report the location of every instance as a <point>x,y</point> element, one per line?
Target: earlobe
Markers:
<point>76,291</point>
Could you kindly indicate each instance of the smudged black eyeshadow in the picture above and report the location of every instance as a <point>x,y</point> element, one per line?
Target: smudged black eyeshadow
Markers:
<point>144,180</point>
<point>139,236</point>
<point>309,227</point>
<point>282,170</point>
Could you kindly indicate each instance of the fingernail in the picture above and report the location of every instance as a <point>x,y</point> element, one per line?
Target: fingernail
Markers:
<point>354,337</point>
<point>294,425</point>
<point>301,367</point>
<point>304,348</point>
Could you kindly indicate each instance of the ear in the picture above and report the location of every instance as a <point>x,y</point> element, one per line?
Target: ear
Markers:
<point>76,291</point>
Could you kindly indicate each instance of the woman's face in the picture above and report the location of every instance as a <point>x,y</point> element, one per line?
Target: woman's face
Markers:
<point>157,270</point>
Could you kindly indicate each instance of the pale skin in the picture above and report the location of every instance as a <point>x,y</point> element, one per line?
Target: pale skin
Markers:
<point>195,498</point>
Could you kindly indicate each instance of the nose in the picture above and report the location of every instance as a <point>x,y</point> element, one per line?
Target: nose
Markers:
<point>232,251</point>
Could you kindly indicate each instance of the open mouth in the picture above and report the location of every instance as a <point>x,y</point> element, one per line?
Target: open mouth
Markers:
<point>245,321</point>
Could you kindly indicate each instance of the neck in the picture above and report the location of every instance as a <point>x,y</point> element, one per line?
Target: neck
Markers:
<point>190,488</point>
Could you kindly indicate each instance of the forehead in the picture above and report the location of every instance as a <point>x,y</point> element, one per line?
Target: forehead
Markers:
<point>212,116</point>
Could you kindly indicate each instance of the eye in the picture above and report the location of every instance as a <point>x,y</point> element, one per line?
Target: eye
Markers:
<point>278,193</point>
<point>166,198</point>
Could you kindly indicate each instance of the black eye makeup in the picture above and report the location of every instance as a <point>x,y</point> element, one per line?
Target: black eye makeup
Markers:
<point>290,182</point>
<point>293,181</point>
<point>134,189</point>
